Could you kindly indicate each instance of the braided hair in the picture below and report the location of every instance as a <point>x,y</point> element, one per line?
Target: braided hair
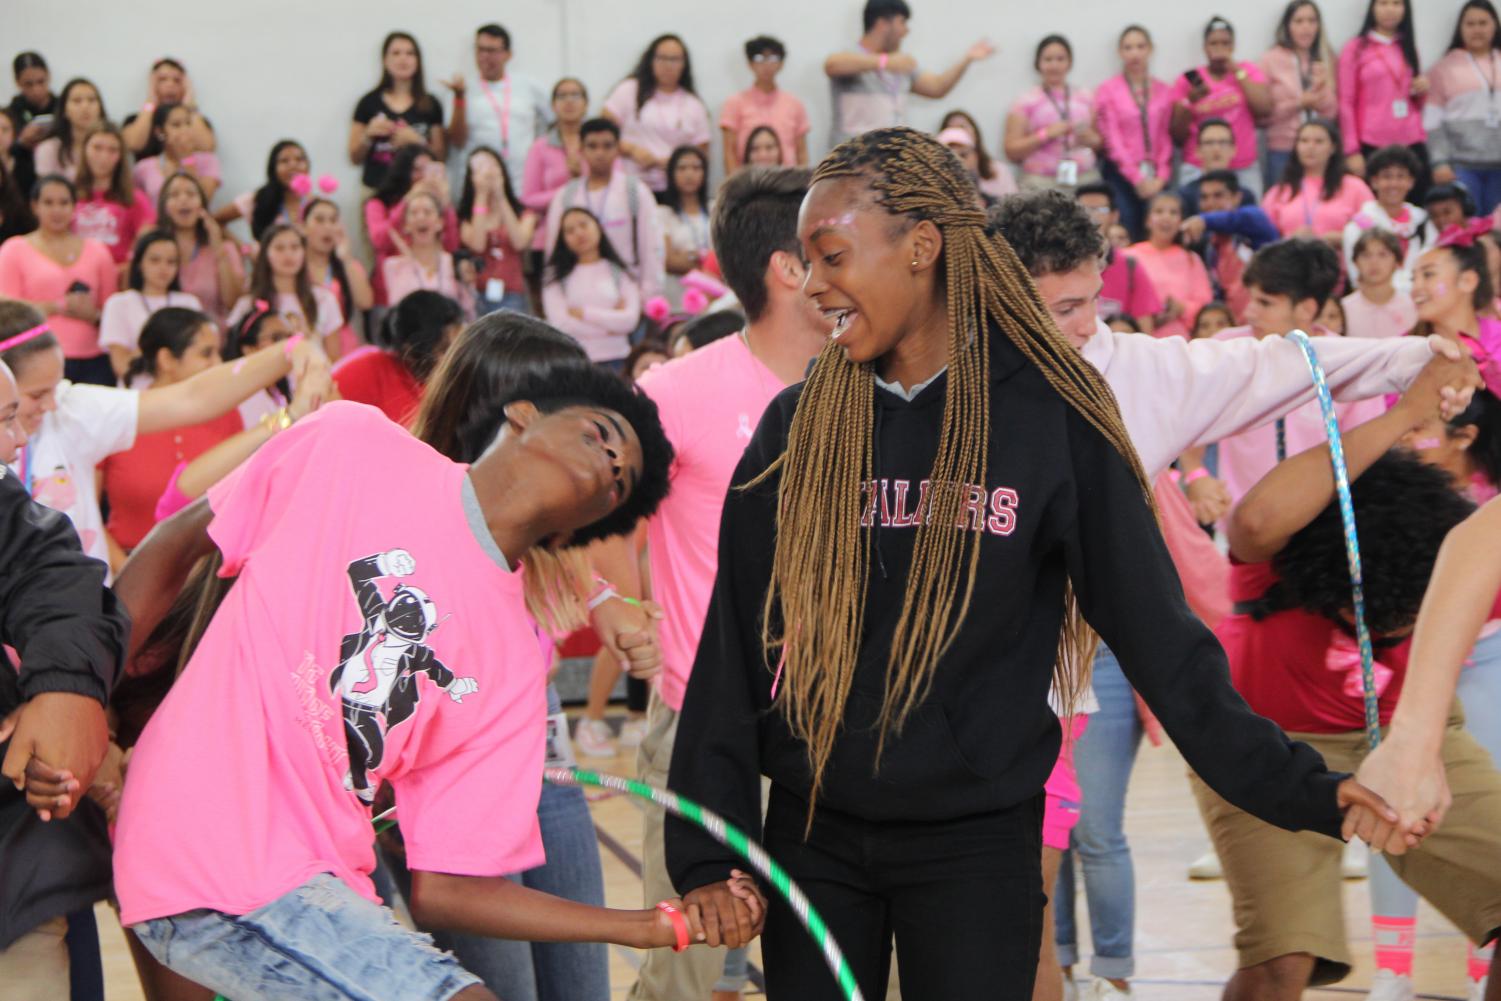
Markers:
<point>813,614</point>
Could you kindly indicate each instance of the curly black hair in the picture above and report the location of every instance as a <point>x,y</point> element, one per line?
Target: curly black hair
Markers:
<point>1403,510</point>
<point>590,386</point>
<point>1050,232</point>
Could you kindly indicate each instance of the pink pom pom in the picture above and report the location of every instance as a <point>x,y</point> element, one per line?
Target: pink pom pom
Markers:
<point>657,309</point>
<point>301,185</point>
<point>694,301</point>
<point>328,183</point>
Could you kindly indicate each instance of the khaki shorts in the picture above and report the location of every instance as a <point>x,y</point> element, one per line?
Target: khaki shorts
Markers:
<point>1287,888</point>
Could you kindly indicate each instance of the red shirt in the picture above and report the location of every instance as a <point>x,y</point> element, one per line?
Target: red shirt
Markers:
<point>378,378</point>
<point>1300,670</point>
<point>135,479</point>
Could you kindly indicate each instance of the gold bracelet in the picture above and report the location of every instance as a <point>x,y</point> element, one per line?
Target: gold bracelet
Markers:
<point>275,421</point>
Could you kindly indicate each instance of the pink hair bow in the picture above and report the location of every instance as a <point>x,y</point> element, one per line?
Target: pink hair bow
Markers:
<point>328,183</point>
<point>1485,348</point>
<point>1465,234</point>
<point>301,185</point>
<point>658,309</point>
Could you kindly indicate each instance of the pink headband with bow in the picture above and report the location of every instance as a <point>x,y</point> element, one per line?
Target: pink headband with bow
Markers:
<point>1465,234</point>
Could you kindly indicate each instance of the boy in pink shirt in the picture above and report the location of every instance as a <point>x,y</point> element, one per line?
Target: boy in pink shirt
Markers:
<point>376,632</point>
<point>763,103</point>
<point>710,402</point>
<point>623,204</point>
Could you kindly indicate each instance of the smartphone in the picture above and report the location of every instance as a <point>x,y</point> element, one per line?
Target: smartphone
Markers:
<point>1194,77</point>
<point>79,287</point>
<point>42,120</point>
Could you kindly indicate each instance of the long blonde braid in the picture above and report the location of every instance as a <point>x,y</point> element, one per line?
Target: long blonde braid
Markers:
<point>814,610</point>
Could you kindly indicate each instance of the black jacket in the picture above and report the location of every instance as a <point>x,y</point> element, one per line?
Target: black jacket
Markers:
<point>71,635</point>
<point>1059,503</point>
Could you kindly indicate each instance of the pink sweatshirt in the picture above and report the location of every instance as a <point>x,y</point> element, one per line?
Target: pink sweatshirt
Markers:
<point>1308,209</point>
<point>1285,79</point>
<point>1178,273</point>
<point>1375,83</point>
<point>1176,394</point>
<point>1118,119</point>
<point>610,302</point>
<point>636,237</point>
<point>1462,109</point>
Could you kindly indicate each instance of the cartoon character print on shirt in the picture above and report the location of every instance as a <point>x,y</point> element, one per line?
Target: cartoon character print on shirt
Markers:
<point>58,491</point>
<point>379,666</point>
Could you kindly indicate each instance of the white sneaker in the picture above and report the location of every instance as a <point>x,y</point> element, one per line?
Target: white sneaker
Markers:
<point>594,739</point>
<point>632,733</point>
<point>1477,989</point>
<point>1389,986</point>
<point>1206,866</point>
<point>1103,990</point>
<point>1357,860</point>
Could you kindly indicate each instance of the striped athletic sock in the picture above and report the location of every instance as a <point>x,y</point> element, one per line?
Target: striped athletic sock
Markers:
<point>1394,942</point>
<point>1479,961</point>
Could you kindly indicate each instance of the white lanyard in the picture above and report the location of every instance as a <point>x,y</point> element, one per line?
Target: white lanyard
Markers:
<point>502,112</point>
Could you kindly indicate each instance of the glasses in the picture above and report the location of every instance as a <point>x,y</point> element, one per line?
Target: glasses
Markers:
<point>1097,210</point>
<point>766,57</point>
<point>669,59</point>
<point>491,50</point>
<point>568,95</point>
<point>1216,142</point>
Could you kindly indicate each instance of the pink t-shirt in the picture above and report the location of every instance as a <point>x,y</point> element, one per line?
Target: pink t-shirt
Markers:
<point>1225,100</point>
<point>710,402</point>
<point>1247,457</point>
<point>112,224</point>
<point>610,302</point>
<point>753,107</point>
<point>27,273</point>
<point>1393,318</point>
<point>329,319</point>
<point>366,600</point>
<point>661,125</point>
<point>1309,209</point>
<point>1127,136</point>
<point>125,315</point>
<point>150,176</point>
<point>1040,108</point>
<point>1126,290</point>
<point>1178,273</point>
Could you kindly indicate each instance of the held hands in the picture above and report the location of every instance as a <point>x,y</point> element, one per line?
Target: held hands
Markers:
<point>57,742</point>
<point>1370,818</point>
<point>313,390</point>
<point>308,359</point>
<point>730,913</point>
<point>1413,782</point>
<point>1209,498</point>
<point>630,632</point>
<point>1445,385</point>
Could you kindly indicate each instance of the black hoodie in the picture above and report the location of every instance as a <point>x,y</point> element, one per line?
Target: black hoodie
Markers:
<point>1060,503</point>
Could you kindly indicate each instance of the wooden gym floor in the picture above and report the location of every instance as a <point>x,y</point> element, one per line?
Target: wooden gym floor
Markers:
<point>1183,928</point>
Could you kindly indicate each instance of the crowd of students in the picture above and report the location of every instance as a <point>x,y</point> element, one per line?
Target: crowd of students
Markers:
<point>172,358</point>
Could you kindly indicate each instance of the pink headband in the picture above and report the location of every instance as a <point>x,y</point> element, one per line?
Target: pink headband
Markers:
<point>1465,234</point>
<point>24,336</point>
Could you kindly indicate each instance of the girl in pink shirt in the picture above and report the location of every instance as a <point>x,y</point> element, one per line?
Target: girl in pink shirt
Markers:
<point>420,261</point>
<point>558,156</point>
<point>1463,113</point>
<point>1050,131</point>
<point>1316,196</point>
<point>209,266</point>
<point>413,169</point>
<point>1300,73</point>
<point>174,125</point>
<point>111,209</point>
<point>65,276</point>
<point>80,108</point>
<point>1178,275</point>
<point>996,179</point>
<point>658,110</point>
<point>280,282</point>
<point>1377,308</point>
<point>152,287</point>
<point>589,293</point>
<point>1381,92</point>
<point>1134,114</point>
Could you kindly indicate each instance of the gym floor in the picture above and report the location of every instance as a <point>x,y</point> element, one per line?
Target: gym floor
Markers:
<point>1183,928</point>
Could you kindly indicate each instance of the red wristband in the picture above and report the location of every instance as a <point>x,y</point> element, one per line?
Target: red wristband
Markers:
<point>1197,474</point>
<point>679,925</point>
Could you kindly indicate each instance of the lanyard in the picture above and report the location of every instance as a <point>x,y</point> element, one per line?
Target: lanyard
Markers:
<point>1143,106</point>
<point>1305,81</point>
<point>1064,110</point>
<point>1490,82</point>
<point>502,112</point>
<point>1398,76</point>
<point>1308,206</point>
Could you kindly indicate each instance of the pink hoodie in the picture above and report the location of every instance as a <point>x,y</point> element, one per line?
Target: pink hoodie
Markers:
<point>1375,83</point>
<point>1118,119</point>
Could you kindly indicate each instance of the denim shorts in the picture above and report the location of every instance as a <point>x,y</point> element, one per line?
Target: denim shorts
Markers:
<point>320,942</point>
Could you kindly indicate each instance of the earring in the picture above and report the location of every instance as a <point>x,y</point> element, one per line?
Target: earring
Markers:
<point>914,264</point>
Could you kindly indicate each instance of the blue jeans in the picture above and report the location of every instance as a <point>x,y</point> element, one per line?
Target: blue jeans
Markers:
<point>1276,163</point>
<point>1483,185</point>
<point>320,942</point>
<point>1480,696</point>
<point>544,971</point>
<point>1132,210</point>
<point>1103,758</point>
